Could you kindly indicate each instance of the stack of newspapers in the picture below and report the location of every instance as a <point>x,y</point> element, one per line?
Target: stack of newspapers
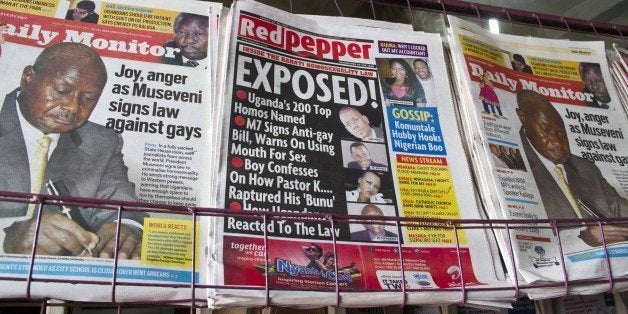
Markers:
<point>333,148</point>
<point>124,89</point>
<point>545,128</point>
<point>327,125</point>
<point>618,58</point>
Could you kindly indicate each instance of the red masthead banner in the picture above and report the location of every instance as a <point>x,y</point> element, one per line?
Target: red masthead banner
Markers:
<point>115,42</point>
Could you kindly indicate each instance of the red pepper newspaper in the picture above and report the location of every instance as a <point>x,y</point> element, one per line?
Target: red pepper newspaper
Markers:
<point>99,102</point>
<point>323,122</point>
<point>547,131</point>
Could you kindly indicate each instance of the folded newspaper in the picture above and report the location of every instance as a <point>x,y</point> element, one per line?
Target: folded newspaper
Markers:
<point>618,58</point>
<point>545,127</point>
<point>106,100</point>
<point>321,124</point>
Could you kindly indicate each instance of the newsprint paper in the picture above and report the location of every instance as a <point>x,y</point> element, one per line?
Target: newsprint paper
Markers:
<point>338,123</point>
<point>547,134</point>
<point>147,140</point>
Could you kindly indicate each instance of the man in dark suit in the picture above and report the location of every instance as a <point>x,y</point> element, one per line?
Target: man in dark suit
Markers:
<point>191,33</point>
<point>83,12</point>
<point>504,155</point>
<point>591,74</point>
<point>585,194</point>
<point>373,230</point>
<point>44,131</point>
<point>362,158</point>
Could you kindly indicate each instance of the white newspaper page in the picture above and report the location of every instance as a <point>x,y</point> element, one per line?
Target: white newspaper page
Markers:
<point>124,118</point>
<point>322,122</point>
<point>547,132</point>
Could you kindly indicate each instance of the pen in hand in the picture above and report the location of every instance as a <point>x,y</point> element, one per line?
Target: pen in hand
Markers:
<point>67,211</point>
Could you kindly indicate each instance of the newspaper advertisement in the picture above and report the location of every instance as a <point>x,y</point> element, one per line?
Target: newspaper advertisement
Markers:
<point>318,122</point>
<point>549,129</point>
<point>98,102</point>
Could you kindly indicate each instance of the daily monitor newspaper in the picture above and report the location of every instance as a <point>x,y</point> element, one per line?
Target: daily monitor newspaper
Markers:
<point>320,122</point>
<point>147,139</point>
<point>548,134</point>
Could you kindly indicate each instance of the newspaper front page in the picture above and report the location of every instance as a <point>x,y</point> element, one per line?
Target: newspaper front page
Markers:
<point>321,122</point>
<point>126,119</point>
<point>547,131</point>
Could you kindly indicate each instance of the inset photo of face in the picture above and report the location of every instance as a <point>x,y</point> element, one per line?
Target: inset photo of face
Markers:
<point>364,156</point>
<point>400,84</point>
<point>369,186</point>
<point>373,230</point>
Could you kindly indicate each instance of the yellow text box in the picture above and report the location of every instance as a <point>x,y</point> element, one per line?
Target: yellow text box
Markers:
<point>427,192</point>
<point>135,17</point>
<point>481,50</point>
<point>41,7</point>
<point>168,242</point>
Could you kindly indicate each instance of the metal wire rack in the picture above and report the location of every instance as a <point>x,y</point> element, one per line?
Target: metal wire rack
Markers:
<point>197,300</point>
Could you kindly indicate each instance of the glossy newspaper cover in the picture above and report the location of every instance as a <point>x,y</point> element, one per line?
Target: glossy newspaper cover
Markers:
<point>550,132</point>
<point>126,119</point>
<point>326,123</point>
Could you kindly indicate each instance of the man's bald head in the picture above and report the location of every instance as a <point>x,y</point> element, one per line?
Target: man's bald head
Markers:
<point>355,122</point>
<point>543,126</point>
<point>371,210</point>
<point>79,54</point>
<point>61,89</point>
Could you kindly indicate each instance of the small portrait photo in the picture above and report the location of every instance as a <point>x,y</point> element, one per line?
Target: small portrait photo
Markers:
<point>519,63</point>
<point>594,85</point>
<point>84,11</point>
<point>369,186</point>
<point>190,38</point>
<point>361,124</point>
<point>423,73</point>
<point>505,156</point>
<point>373,231</point>
<point>400,84</point>
<point>364,156</point>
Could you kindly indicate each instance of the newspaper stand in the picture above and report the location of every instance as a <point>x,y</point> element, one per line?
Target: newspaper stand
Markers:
<point>264,217</point>
<point>444,7</point>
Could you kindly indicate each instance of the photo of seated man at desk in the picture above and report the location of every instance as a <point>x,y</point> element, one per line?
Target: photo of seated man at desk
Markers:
<point>571,187</point>
<point>45,135</point>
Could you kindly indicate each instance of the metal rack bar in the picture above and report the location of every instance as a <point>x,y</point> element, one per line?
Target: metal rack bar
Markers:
<point>513,16</point>
<point>450,224</point>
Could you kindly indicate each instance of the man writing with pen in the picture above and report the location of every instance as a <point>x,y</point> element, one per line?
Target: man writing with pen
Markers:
<point>571,187</point>
<point>45,135</point>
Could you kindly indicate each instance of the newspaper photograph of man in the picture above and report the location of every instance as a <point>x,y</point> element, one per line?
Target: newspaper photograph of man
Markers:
<point>364,156</point>
<point>570,186</point>
<point>45,136</point>
<point>373,231</point>
<point>191,36</point>
<point>424,76</point>
<point>591,75</point>
<point>359,125</point>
